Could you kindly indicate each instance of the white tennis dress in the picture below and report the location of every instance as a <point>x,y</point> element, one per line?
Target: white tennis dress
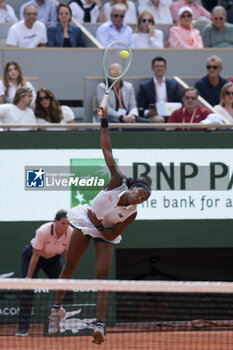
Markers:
<point>105,206</point>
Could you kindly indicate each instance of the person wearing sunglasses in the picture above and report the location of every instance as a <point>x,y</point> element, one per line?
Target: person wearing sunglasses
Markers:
<point>210,85</point>
<point>121,104</point>
<point>159,8</point>
<point>48,109</point>
<point>184,35</point>
<point>115,29</point>
<point>190,112</point>
<point>218,33</point>
<point>225,107</point>
<point>130,15</point>
<point>146,36</point>
<point>199,12</point>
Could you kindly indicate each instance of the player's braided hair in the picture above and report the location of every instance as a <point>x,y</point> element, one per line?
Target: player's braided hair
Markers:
<point>130,182</point>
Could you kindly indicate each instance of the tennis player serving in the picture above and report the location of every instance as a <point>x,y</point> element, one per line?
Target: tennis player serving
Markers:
<point>111,211</point>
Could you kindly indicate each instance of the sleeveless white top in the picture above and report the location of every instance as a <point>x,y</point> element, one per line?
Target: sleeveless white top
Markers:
<point>105,206</point>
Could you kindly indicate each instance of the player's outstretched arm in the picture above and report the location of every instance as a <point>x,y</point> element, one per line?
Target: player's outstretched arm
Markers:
<point>116,176</point>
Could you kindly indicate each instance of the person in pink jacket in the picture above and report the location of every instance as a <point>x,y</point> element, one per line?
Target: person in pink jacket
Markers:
<point>184,35</point>
<point>198,10</point>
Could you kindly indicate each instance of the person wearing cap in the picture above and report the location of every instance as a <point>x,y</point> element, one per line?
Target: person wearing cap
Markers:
<point>184,35</point>
<point>190,112</point>
<point>199,12</point>
<point>43,253</point>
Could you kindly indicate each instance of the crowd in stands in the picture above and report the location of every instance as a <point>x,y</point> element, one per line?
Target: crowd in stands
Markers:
<point>194,24</point>
<point>31,30</point>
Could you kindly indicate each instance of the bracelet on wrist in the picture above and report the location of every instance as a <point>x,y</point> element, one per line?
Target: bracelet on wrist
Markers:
<point>104,123</point>
<point>100,227</point>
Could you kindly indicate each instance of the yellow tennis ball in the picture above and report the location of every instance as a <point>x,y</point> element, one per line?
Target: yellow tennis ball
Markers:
<point>124,54</point>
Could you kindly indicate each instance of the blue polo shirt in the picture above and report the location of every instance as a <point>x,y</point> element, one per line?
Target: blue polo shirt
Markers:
<point>208,91</point>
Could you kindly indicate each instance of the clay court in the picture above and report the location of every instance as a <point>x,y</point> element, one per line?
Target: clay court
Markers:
<point>116,340</point>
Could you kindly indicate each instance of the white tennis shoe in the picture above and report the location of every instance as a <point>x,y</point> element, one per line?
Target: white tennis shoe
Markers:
<point>55,319</point>
<point>98,335</point>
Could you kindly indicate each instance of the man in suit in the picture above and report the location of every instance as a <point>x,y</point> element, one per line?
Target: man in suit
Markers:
<point>121,105</point>
<point>157,89</point>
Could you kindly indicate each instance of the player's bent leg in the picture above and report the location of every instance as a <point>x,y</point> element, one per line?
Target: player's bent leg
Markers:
<point>77,247</point>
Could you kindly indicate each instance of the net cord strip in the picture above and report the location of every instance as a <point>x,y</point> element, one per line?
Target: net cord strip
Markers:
<point>117,285</point>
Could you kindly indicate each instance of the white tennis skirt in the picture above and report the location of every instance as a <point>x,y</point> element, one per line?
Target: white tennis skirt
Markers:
<point>78,217</point>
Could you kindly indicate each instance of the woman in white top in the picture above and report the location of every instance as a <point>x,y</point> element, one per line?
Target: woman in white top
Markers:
<point>111,211</point>
<point>12,79</point>
<point>225,107</point>
<point>160,10</point>
<point>130,15</point>
<point>48,109</point>
<point>146,36</point>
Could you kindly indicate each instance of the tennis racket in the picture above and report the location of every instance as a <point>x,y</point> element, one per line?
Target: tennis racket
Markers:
<point>120,53</point>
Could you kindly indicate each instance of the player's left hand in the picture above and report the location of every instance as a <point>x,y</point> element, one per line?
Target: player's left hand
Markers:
<point>96,221</point>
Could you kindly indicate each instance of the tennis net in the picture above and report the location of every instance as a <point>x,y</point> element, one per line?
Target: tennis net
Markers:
<point>162,315</point>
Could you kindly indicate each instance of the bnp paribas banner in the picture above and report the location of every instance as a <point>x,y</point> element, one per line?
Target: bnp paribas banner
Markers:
<point>186,183</point>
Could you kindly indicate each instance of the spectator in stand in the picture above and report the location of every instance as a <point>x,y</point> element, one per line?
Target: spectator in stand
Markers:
<point>184,35</point>
<point>7,13</point>
<point>225,107</point>
<point>48,109</point>
<point>218,33</point>
<point>159,9</point>
<point>190,112</point>
<point>209,86</point>
<point>87,11</point>
<point>130,15</point>
<point>18,112</point>
<point>28,33</point>
<point>157,89</point>
<point>146,36</point>
<point>64,33</point>
<point>115,29</point>
<point>199,12</point>
<point>121,105</point>
<point>47,11</point>
<point>12,79</point>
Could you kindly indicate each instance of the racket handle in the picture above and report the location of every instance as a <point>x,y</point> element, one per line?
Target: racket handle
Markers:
<point>103,103</point>
<point>105,99</point>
